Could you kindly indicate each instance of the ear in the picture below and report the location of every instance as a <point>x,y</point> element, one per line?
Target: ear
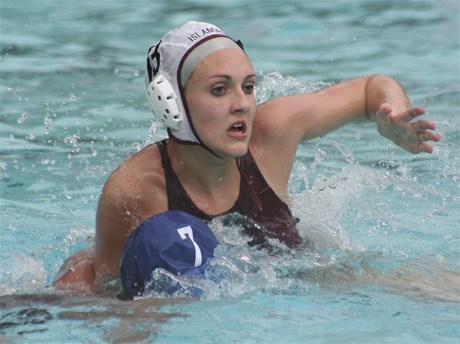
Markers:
<point>162,100</point>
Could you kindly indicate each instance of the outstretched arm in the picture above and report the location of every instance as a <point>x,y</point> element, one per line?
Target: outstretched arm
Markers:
<point>282,124</point>
<point>375,97</point>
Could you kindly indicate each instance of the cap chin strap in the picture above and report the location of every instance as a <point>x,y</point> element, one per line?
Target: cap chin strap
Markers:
<point>165,105</point>
<point>179,141</point>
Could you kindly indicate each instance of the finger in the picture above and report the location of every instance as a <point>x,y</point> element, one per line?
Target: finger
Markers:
<point>383,111</point>
<point>412,113</point>
<point>385,108</point>
<point>424,147</point>
<point>424,125</point>
<point>428,136</point>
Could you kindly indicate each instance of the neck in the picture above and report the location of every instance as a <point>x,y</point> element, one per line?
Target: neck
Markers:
<point>196,167</point>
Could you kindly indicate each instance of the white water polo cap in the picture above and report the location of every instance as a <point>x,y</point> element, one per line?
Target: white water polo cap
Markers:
<point>170,62</point>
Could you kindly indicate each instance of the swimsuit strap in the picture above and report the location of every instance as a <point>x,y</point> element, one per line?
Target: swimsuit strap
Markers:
<point>256,184</point>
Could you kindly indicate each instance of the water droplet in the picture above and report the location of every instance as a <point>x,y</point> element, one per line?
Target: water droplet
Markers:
<point>22,118</point>
<point>47,121</point>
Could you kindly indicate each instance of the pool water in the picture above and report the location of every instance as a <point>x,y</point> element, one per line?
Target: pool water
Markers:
<point>386,268</point>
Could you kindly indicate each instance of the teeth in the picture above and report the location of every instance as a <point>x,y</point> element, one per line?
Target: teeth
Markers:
<point>238,127</point>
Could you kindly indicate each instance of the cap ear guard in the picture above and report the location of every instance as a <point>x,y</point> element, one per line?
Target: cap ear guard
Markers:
<point>163,101</point>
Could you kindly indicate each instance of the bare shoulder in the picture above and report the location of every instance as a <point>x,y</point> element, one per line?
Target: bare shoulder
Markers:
<point>135,191</point>
<point>277,133</point>
<point>281,123</point>
<point>138,183</point>
<point>145,164</point>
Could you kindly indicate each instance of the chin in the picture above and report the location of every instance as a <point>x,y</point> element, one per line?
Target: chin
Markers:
<point>241,152</point>
<point>234,151</point>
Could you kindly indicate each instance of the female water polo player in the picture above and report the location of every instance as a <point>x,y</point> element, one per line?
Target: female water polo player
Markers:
<point>226,154</point>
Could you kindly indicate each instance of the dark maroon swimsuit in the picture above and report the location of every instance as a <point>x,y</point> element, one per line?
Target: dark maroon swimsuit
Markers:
<point>270,217</point>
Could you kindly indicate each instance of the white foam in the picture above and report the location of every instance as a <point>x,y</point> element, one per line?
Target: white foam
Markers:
<point>21,272</point>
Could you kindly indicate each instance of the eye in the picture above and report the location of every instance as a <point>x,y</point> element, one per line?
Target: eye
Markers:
<point>218,91</point>
<point>248,89</point>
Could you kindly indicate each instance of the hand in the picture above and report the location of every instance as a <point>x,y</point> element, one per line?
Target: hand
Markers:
<point>407,134</point>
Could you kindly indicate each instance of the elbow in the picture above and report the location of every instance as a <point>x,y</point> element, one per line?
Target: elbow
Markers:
<point>379,89</point>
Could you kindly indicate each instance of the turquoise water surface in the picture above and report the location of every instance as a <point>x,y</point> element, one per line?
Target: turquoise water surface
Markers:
<point>386,223</point>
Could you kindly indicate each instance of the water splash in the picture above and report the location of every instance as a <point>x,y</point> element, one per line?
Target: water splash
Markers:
<point>20,272</point>
<point>274,85</point>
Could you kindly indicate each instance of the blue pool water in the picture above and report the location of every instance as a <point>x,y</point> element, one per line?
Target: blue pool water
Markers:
<point>386,222</point>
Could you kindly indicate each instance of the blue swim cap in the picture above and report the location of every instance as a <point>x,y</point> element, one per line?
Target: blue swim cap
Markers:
<point>174,241</point>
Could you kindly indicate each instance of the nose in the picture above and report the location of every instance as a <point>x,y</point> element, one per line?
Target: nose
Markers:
<point>242,102</point>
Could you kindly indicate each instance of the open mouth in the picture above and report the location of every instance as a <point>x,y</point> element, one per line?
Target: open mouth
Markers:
<point>237,128</point>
